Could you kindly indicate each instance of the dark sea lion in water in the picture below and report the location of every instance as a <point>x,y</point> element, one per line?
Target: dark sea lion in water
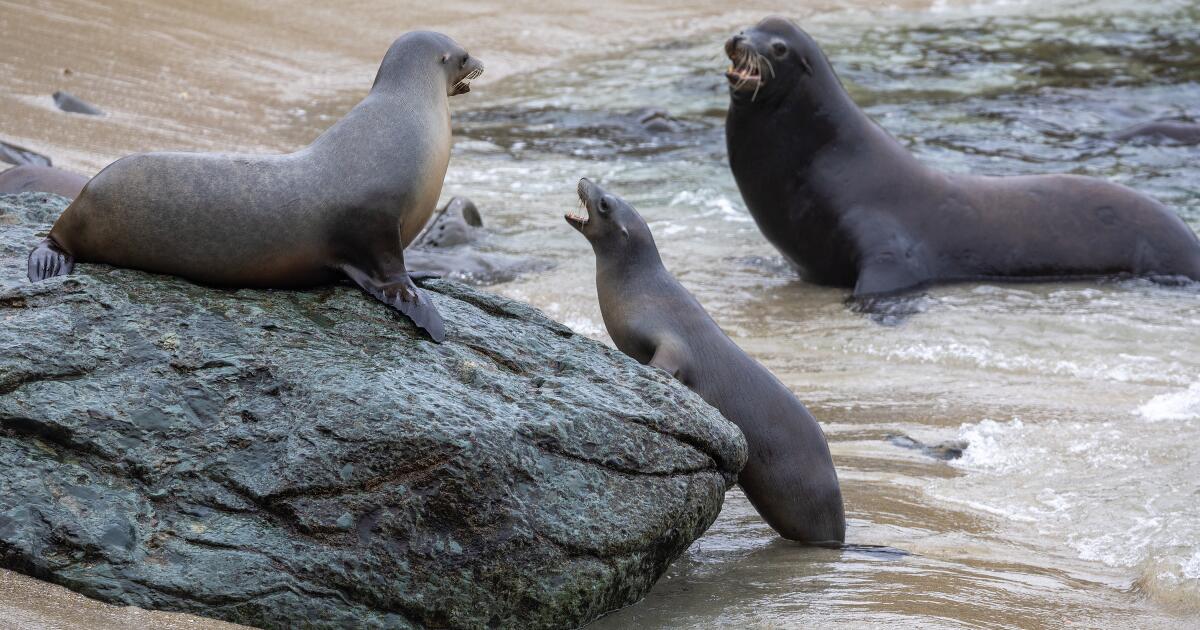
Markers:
<point>46,179</point>
<point>346,205</point>
<point>789,476</point>
<point>68,102</point>
<point>851,207</point>
<point>1161,132</point>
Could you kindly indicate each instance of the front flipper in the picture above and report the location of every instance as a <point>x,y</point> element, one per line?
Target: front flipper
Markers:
<point>399,292</point>
<point>886,275</point>
<point>881,292</point>
<point>669,357</point>
<point>48,260</point>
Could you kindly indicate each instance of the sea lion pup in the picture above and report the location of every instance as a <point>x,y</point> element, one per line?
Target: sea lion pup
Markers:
<point>346,205</point>
<point>789,476</point>
<point>45,179</point>
<point>851,207</point>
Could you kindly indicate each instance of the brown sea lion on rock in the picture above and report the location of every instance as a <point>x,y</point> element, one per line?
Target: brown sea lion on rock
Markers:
<point>346,205</point>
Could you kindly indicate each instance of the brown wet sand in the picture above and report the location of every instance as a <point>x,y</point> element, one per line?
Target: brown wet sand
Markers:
<point>241,75</point>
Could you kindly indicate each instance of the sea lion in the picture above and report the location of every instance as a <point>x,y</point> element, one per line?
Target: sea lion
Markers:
<point>851,207</point>
<point>70,103</point>
<point>457,223</point>
<point>448,248</point>
<point>789,477</point>
<point>346,205</point>
<point>46,179</point>
<point>1161,132</point>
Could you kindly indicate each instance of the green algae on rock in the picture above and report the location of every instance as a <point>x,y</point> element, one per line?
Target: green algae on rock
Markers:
<point>303,458</point>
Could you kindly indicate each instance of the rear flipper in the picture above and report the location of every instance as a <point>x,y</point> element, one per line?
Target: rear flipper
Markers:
<point>399,292</point>
<point>48,260</point>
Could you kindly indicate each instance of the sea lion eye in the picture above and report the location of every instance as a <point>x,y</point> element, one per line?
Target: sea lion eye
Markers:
<point>464,61</point>
<point>779,49</point>
<point>603,206</point>
<point>445,57</point>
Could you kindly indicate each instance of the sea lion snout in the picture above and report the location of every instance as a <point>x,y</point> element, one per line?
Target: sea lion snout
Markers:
<point>585,190</point>
<point>469,68</point>
<point>745,72</point>
<point>732,44</point>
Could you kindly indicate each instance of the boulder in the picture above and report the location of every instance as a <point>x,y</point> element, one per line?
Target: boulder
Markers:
<point>304,459</point>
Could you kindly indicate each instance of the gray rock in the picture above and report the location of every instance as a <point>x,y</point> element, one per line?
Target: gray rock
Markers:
<point>70,103</point>
<point>17,155</point>
<point>945,451</point>
<point>304,459</point>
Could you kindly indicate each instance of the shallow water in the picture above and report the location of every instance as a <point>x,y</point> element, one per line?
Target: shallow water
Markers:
<point>1075,502</point>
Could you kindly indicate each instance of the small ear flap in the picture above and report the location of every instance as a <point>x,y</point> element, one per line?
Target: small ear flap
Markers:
<point>804,62</point>
<point>445,57</point>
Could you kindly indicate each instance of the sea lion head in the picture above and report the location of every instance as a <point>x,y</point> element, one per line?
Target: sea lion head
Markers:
<point>610,224</point>
<point>771,60</point>
<point>428,47</point>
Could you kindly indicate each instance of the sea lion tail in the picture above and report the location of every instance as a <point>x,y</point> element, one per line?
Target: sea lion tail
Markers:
<point>48,260</point>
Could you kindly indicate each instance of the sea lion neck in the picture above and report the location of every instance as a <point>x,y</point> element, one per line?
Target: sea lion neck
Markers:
<point>628,261</point>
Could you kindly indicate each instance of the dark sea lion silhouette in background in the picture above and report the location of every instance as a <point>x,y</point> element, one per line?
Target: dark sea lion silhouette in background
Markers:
<point>1161,132</point>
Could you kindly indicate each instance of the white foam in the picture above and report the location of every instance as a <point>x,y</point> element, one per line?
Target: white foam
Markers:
<point>991,445</point>
<point>1191,566</point>
<point>714,204</point>
<point>1181,405</point>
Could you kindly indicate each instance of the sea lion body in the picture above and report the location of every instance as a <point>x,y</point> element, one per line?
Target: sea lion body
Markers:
<point>1161,132</point>
<point>45,179</point>
<point>346,205</point>
<point>850,206</point>
<point>789,477</point>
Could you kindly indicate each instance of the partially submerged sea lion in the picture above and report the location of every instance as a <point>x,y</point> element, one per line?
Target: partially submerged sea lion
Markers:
<point>449,248</point>
<point>1161,132</point>
<point>851,207</point>
<point>346,205</point>
<point>46,179</point>
<point>789,476</point>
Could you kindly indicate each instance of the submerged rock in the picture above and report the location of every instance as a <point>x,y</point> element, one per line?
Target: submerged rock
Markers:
<point>70,103</point>
<point>304,458</point>
<point>16,155</point>
<point>945,451</point>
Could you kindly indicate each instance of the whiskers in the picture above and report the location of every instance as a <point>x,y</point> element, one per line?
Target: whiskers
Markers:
<point>463,82</point>
<point>748,68</point>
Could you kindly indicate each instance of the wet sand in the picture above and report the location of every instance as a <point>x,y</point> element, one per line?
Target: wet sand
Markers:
<point>242,75</point>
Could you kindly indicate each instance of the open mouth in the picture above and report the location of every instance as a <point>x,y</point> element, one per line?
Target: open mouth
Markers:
<point>745,72</point>
<point>579,218</point>
<point>464,84</point>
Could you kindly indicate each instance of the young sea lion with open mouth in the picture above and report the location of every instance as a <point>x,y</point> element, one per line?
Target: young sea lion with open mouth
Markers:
<point>789,476</point>
<point>346,205</point>
<point>851,207</point>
